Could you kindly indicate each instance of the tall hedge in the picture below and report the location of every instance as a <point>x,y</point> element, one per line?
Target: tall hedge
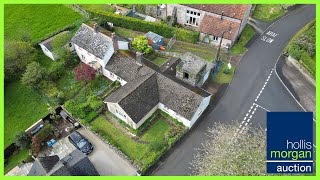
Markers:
<point>144,26</point>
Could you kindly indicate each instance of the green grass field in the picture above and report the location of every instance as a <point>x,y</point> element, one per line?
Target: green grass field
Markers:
<point>105,7</point>
<point>23,107</point>
<point>38,22</point>
<point>245,36</point>
<point>268,12</point>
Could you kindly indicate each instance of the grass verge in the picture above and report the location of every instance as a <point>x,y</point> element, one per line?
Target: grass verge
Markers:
<point>245,36</point>
<point>268,12</point>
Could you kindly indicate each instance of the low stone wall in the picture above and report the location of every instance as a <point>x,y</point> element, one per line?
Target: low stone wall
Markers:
<point>168,54</point>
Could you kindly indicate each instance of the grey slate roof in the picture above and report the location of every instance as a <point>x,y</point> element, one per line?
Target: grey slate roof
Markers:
<point>126,67</point>
<point>94,42</point>
<point>144,92</point>
<point>191,63</point>
<point>74,164</point>
<point>177,97</point>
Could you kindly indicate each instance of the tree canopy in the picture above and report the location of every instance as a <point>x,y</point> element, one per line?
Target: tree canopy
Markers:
<point>140,44</point>
<point>231,153</point>
<point>84,72</point>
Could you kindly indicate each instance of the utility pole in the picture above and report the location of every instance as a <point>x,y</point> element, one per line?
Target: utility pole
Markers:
<point>219,47</point>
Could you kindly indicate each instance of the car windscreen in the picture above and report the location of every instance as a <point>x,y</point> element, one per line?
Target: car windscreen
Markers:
<point>81,143</point>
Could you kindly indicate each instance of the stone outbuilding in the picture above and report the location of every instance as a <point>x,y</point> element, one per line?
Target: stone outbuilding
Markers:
<point>192,69</point>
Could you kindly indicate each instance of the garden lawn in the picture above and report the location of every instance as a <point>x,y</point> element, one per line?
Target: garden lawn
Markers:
<point>206,52</point>
<point>223,78</point>
<point>268,12</point>
<point>36,21</point>
<point>143,154</point>
<point>159,60</point>
<point>245,36</point>
<point>22,107</point>
<point>127,33</point>
<point>14,160</point>
<point>105,7</point>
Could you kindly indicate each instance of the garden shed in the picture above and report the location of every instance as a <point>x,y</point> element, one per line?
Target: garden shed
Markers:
<point>154,40</point>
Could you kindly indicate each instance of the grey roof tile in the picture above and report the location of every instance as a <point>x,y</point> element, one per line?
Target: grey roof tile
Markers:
<point>94,42</point>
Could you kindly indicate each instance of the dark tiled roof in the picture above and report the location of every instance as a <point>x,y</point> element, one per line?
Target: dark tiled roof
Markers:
<point>94,42</point>
<point>236,11</point>
<point>126,67</point>
<point>140,95</point>
<point>177,97</point>
<point>48,162</point>
<point>78,165</point>
<point>74,164</point>
<point>215,26</point>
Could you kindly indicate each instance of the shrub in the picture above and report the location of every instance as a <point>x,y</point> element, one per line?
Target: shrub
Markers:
<point>70,60</point>
<point>55,71</point>
<point>90,117</point>
<point>44,133</point>
<point>22,140</point>
<point>84,73</point>
<point>33,74</point>
<point>94,102</point>
<point>140,44</point>
<point>17,55</point>
<point>74,108</point>
<point>144,26</point>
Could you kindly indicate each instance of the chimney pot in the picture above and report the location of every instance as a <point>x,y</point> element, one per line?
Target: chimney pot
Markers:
<point>114,41</point>
<point>96,27</point>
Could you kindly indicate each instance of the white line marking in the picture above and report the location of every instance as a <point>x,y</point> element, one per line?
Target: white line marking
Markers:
<point>262,108</point>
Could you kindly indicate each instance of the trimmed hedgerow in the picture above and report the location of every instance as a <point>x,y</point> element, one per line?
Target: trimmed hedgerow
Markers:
<point>144,26</point>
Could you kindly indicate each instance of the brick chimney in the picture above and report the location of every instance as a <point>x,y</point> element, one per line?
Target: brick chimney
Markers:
<point>115,41</point>
<point>139,57</point>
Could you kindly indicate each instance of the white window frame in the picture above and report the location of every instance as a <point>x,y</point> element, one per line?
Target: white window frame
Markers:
<point>193,16</point>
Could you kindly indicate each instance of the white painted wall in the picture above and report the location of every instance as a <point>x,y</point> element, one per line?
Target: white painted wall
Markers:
<point>175,115</point>
<point>113,77</point>
<point>108,55</point>
<point>48,53</point>
<point>115,109</point>
<point>209,39</point>
<point>204,104</point>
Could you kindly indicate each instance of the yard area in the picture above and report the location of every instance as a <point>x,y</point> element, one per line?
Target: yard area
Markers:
<point>23,107</point>
<point>16,159</point>
<point>145,148</point>
<point>223,77</point>
<point>36,22</point>
<point>245,36</point>
<point>268,12</point>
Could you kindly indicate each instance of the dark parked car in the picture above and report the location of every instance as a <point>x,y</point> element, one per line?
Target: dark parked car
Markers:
<point>80,142</point>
